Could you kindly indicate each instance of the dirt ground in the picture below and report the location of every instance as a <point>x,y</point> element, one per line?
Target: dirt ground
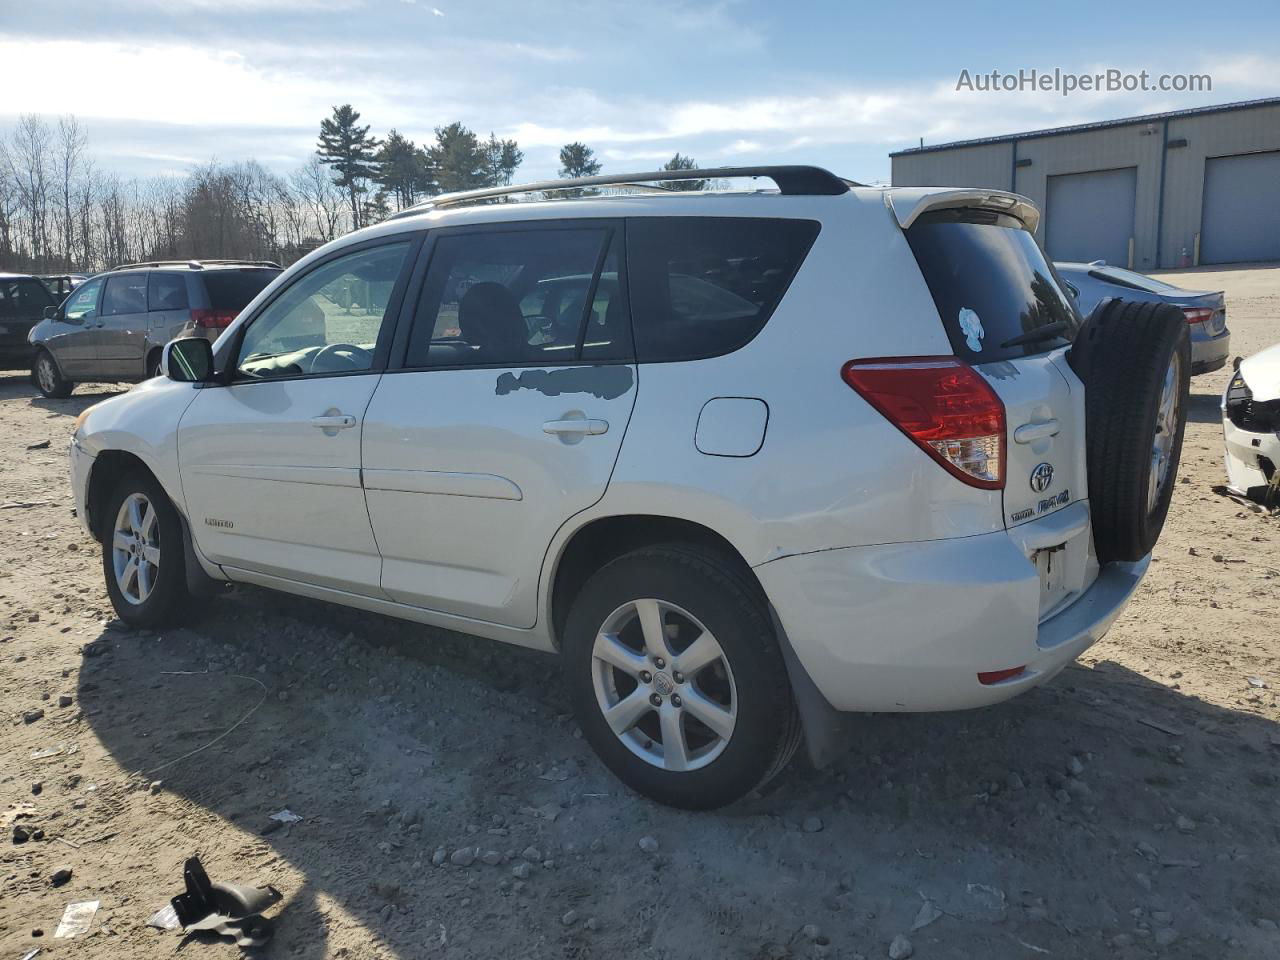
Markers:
<point>1128,809</point>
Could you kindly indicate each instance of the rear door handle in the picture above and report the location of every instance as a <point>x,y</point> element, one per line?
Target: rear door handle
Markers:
<point>1030,432</point>
<point>339,421</point>
<point>580,427</point>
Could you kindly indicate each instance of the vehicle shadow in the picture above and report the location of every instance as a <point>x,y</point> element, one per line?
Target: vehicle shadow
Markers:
<point>391,740</point>
<point>15,385</point>
<point>1204,408</point>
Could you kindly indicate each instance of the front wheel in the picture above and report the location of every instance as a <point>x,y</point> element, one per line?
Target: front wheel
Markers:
<point>142,553</point>
<point>676,677</point>
<point>48,378</point>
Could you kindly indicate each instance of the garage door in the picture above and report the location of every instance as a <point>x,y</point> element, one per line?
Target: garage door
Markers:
<point>1241,208</point>
<point>1090,215</point>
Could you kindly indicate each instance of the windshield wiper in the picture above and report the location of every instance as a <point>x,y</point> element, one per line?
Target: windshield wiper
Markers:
<point>1048,332</point>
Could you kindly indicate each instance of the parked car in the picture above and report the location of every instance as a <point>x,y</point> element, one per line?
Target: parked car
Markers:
<point>62,284</point>
<point>1251,427</point>
<point>23,300</point>
<point>1206,311</point>
<point>113,327</point>
<point>757,482</point>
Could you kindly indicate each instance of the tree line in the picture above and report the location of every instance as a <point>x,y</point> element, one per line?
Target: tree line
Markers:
<point>61,212</point>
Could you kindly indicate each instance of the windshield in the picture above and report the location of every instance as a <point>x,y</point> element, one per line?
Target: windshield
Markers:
<point>991,283</point>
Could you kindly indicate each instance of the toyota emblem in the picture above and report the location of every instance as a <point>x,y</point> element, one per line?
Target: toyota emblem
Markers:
<point>1042,477</point>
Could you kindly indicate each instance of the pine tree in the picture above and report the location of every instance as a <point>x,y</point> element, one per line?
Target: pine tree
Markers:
<point>578,160</point>
<point>681,162</point>
<point>404,170</point>
<point>457,159</point>
<point>347,147</point>
<point>501,158</point>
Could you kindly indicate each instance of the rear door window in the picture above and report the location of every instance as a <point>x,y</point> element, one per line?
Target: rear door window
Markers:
<point>991,283</point>
<point>704,286</point>
<point>511,297</point>
<point>125,294</point>
<point>166,291</point>
<point>231,290</point>
<point>24,299</point>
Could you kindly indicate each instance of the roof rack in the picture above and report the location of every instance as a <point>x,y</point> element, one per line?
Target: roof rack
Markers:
<point>791,180</point>
<point>195,264</point>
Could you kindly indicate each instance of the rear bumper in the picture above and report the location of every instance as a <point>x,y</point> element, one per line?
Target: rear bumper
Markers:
<point>908,627</point>
<point>1210,353</point>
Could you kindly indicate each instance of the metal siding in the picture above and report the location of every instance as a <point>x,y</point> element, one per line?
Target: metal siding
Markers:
<point>1090,216</point>
<point>1241,220</point>
<point>985,166</point>
<point>1227,132</point>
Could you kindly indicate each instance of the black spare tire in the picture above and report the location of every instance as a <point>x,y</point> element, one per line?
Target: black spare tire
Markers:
<point>1135,361</point>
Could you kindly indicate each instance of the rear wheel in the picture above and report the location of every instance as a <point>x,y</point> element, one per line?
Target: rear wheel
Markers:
<point>48,378</point>
<point>676,678</point>
<point>1135,361</point>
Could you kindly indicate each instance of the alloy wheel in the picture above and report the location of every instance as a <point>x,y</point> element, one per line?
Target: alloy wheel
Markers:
<point>135,548</point>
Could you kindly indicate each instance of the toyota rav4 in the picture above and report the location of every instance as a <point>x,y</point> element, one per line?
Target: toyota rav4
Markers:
<point>746,457</point>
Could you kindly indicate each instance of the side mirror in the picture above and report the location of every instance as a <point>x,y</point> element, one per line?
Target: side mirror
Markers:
<point>51,313</point>
<point>188,360</point>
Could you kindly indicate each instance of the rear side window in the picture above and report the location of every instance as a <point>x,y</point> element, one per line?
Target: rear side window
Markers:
<point>125,294</point>
<point>166,291</point>
<point>704,286</point>
<point>231,290</point>
<point>990,283</point>
<point>518,296</point>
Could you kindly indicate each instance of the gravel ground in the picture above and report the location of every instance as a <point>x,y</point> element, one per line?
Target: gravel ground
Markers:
<point>450,808</point>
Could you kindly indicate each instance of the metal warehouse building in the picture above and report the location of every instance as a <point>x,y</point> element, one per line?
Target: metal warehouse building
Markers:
<point>1143,192</point>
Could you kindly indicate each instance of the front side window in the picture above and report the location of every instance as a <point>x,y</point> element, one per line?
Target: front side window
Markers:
<point>125,294</point>
<point>516,297</point>
<point>704,286</point>
<point>328,321</point>
<point>82,305</point>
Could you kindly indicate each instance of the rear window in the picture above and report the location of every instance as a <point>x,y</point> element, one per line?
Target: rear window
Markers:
<point>991,283</point>
<point>233,289</point>
<point>704,286</point>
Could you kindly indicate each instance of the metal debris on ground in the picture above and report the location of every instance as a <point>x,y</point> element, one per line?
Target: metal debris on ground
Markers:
<point>286,816</point>
<point>77,918</point>
<point>226,909</point>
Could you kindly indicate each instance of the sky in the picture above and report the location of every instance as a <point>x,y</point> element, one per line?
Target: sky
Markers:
<point>164,85</point>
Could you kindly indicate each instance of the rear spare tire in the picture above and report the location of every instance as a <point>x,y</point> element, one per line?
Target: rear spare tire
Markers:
<point>1135,361</point>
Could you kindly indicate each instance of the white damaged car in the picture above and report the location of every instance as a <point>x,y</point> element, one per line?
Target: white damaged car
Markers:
<point>1251,425</point>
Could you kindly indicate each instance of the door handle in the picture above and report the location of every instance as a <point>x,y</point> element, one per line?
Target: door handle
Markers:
<point>334,422</point>
<point>1030,432</point>
<point>576,427</point>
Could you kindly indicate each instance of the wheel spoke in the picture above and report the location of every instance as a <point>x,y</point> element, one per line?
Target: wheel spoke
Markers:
<point>675,752</point>
<point>615,653</point>
<point>702,652</point>
<point>148,522</point>
<point>152,556</point>
<point>626,713</point>
<point>717,718</point>
<point>655,639</point>
<point>135,515</point>
<point>121,540</point>
<point>144,580</point>
<point>128,574</point>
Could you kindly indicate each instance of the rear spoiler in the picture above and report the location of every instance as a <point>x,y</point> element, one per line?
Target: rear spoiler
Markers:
<point>909,203</point>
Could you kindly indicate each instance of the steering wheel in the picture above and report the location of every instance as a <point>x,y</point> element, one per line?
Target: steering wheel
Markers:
<point>354,357</point>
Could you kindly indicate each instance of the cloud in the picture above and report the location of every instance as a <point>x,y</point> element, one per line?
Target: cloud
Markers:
<point>436,11</point>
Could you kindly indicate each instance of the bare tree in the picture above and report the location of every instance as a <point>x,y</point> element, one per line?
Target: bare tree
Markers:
<point>27,159</point>
<point>72,144</point>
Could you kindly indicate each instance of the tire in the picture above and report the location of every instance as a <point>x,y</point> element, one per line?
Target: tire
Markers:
<point>157,591</point>
<point>153,364</point>
<point>48,379</point>
<point>1135,361</point>
<point>693,592</point>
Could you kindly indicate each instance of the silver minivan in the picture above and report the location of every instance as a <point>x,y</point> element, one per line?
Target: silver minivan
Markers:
<point>114,326</point>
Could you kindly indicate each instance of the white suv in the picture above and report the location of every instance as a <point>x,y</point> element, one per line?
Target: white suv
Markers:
<point>748,456</point>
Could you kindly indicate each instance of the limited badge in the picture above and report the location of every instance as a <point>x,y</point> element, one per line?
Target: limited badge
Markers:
<point>971,327</point>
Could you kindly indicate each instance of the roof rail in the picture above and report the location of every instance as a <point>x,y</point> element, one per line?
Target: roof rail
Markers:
<point>791,180</point>
<point>194,264</point>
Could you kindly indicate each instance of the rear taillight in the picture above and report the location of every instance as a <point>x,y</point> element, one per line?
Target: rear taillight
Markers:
<point>944,406</point>
<point>1197,314</point>
<point>212,319</point>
